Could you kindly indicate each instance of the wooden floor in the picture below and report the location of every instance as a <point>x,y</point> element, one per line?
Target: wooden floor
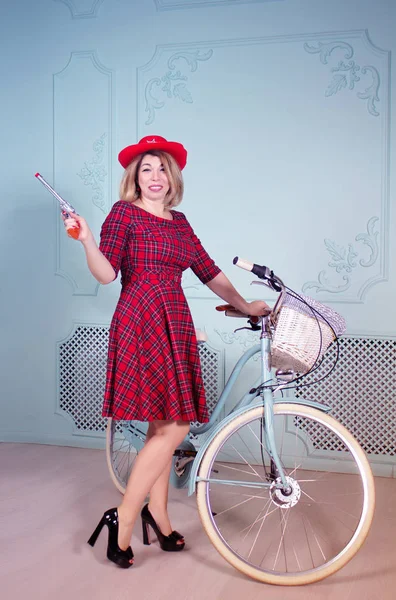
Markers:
<point>52,498</point>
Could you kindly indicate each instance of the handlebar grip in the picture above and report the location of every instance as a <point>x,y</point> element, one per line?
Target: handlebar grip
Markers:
<point>243,264</point>
<point>260,271</point>
<point>235,313</point>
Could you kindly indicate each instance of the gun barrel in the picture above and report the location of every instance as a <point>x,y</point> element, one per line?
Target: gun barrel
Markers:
<point>66,206</point>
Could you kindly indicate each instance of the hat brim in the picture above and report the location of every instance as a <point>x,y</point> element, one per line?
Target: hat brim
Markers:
<point>176,150</point>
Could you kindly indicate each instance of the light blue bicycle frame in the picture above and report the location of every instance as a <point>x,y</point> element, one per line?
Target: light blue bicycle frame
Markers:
<point>266,399</point>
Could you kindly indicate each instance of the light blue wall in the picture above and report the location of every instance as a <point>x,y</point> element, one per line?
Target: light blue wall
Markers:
<point>285,108</point>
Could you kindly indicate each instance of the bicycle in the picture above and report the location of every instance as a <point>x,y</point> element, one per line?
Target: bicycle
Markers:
<point>301,497</point>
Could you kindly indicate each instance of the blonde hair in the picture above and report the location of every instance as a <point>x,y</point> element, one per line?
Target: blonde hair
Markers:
<point>129,186</point>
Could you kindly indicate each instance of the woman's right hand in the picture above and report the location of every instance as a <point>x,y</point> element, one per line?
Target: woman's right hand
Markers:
<point>73,221</point>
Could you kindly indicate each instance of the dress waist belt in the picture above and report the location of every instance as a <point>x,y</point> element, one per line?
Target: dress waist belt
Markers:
<point>153,276</point>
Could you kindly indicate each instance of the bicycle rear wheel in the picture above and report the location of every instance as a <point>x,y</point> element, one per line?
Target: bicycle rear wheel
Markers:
<point>124,440</point>
<point>267,535</point>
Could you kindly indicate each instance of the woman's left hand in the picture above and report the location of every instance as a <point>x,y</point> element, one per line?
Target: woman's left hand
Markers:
<point>258,308</point>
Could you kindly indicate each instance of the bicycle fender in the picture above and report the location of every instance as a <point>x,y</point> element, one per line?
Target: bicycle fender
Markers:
<point>292,400</point>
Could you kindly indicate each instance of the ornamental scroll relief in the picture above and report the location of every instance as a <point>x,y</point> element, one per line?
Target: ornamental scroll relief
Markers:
<point>345,259</point>
<point>348,74</point>
<point>173,83</point>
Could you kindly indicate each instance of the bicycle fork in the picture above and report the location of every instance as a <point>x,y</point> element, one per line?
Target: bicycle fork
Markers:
<point>268,401</point>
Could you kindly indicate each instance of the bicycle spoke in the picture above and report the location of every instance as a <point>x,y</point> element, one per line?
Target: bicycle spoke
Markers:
<point>284,519</point>
<point>282,440</point>
<point>316,539</point>
<point>233,507</point>
<point>294,470</point>
<point>308,544</point>
<point>121,453</point>
<point>241,493</point>
<point>258,533</point>
<point>267,514</point>
<point>323,503</point>
<point>247,446</point>
<point>248,464</point>
<point>308,496</point>
<point>250,527</point>
<point>123,460</point>
<point>225,466</point>
<point>296,557</point>
<point>259,441</point>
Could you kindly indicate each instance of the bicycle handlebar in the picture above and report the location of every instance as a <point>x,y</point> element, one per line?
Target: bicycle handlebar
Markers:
<point>261,271</point>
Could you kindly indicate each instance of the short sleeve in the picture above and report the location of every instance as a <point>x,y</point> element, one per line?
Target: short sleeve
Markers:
<point>115,233</point>
<point>203,266</point>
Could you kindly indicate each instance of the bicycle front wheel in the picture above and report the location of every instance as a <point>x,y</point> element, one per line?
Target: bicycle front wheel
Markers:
<point>276,538</point>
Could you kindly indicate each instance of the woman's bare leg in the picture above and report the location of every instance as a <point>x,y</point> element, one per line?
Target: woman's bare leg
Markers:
<point>152,463</point>
<point>158,504</point>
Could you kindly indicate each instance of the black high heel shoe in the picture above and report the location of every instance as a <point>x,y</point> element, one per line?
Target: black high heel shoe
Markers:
<point>120,557</point>
<point>169,543</point>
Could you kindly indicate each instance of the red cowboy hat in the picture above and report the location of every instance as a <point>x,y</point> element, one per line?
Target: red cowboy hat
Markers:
<point>153,142</point>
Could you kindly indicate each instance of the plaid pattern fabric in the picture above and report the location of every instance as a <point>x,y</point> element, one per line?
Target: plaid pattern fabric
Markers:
<point>153,369</point>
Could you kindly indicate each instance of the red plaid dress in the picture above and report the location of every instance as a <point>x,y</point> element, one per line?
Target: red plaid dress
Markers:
<point>153,369</point>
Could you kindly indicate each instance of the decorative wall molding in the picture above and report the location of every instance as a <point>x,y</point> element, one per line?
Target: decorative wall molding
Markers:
<point>327,45</point>
<point>344,259</point>
<point>94,172</point>
<point>82,9</point>
<point>72,111</point>
<point>167,82</point>
<point>348,74</point>
<point>181,4</point>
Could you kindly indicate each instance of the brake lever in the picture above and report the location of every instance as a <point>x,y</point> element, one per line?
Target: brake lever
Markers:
<point>270,283</point>
<point>253,327</point>
<point>275,286</point>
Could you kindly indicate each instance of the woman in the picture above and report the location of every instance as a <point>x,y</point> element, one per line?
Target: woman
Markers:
<point>153,371</point>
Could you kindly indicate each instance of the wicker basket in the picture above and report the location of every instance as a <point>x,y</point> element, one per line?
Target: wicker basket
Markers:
<point>297,343</point>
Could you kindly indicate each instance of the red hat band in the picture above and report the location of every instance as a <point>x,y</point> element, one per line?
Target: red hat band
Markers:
<point>153,142</point>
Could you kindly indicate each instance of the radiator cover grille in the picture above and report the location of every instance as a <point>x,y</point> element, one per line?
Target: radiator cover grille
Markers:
<point>361,392</point>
